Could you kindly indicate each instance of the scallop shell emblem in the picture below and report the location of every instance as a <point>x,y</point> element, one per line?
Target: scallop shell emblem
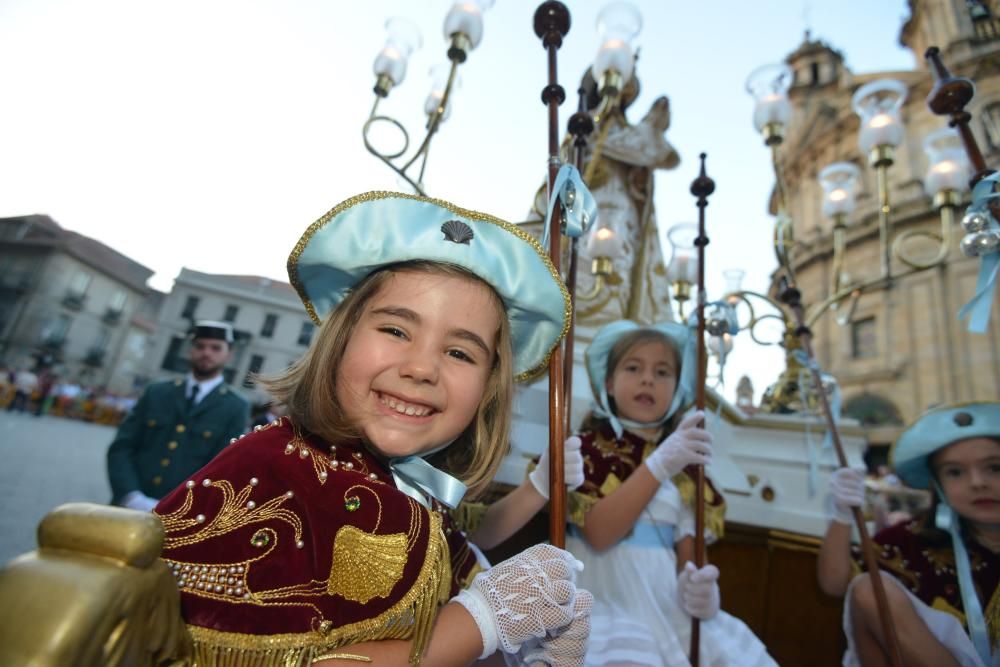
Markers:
<point>457,231</point>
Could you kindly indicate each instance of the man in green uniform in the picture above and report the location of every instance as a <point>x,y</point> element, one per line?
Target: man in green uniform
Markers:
<point>177,426</point>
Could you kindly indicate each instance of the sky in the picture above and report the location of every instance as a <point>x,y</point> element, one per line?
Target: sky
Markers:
<point>209,134</point>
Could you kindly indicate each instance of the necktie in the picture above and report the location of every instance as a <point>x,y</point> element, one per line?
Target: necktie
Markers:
<point>192,396</point>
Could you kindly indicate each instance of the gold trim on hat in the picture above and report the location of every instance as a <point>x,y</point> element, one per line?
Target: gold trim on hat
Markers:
<point>300,246</point>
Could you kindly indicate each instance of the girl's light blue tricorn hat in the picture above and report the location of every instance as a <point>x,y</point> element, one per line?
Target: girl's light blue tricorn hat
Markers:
<point>596,358</point>
<point>377,229</point>
<point>911,457</point>
<point>936,429</point>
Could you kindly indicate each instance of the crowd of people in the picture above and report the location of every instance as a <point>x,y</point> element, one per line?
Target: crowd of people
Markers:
<point>44,393</point>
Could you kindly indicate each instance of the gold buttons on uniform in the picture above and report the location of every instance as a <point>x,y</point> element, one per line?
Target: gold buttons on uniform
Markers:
<point>164,462</point>
<point>151,423</point>
<point>157,480</point>
<point>172,445</point>
<point>180,428</point>
<point>207,434</point>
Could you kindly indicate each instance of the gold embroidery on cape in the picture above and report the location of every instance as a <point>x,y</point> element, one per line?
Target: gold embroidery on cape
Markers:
<point>412,617</point>
<point>365,565</point>
<point>610,485</point>
<point>235,513</point>
<point>468,515</point>
<point>578,504</point>
<point>715,515</point>
<point>992,616</point>
<point>610,447</point>
<point>941,604</point>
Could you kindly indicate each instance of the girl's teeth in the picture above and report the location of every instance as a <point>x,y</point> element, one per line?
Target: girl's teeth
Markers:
<point>410,411</point>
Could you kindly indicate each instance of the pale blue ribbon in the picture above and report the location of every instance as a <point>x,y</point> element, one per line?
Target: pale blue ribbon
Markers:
<point>578,205</point>
<point>981,304</point>
<point>835,403</point>
<point>419,479</point>
<point>947,519</point>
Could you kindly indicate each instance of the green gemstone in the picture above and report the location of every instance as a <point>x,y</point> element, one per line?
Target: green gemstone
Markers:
<point>352,503</point>
<point>260,539</point>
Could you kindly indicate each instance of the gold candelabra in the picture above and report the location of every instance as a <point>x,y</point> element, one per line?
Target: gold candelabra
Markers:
<point>463,28</point>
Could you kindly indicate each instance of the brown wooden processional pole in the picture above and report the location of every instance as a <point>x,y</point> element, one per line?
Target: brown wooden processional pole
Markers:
<point>701,188</point>
<point>551,24</point>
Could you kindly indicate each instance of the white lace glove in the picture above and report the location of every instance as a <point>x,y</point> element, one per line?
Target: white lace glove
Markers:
<point>523,597</point>
<point>572,468</point>
<point>847,487</point>
<point>688,444</point>
<point>566,647</point>
<point>698,591</point>
<point>137,500</point>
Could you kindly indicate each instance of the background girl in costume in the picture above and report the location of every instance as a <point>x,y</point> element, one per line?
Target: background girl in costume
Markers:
<point>944,565</point>
<point>631,515</point>
<point>324,537</point>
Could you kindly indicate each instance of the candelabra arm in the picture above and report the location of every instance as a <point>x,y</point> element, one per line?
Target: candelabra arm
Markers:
<point>387,158</point>
<point>594,291</point>
<point>839,234</point>
<point>944,240</point>
<point>882,161</point>
<point>854,291</point>
<point>434,121</point>
<point>750,326</point>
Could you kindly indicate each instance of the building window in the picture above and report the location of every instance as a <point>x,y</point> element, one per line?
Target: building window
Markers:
<point>54,332</point>
<point>873,410</point>
<point>306,334</point>
<point>175,359</point>
<point>256,363</point>
<point>231,312</point>
<point>190,306</point>
<point>991,125</point>
<point>863,340</point>
<point>81,281</point>
<point>118,301</point>
<point>270,322</point>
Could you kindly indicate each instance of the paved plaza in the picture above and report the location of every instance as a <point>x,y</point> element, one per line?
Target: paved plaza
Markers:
<point>47,461</point>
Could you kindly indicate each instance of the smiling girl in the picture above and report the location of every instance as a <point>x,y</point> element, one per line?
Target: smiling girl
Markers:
<point>324,537</point>
<point>941,569</point>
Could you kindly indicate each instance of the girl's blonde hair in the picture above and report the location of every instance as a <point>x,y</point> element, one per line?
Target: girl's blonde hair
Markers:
<point>619,350</point>
<point>308,387</point>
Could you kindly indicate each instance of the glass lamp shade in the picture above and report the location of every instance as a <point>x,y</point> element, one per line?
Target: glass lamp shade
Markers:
<point>734,280</point>
<point>617,25</point>
<point>949,165</point>
<point>402,39</point>
<point>768,85</point>
<point>439,82</point>
<point>840,185</point>
<point>683,266</point>
<point>878,105</point>
<point>605,241</point>
<point>466,17</point>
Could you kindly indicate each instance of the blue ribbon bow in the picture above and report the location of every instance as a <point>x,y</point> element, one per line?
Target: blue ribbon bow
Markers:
<point>578,205</point>
<point>947,519</point>
<point>979,307</point>
<point>419,479</point>
<point>835,402</point>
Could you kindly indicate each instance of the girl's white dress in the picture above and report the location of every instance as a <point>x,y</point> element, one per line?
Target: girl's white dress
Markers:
<point>637,619</point>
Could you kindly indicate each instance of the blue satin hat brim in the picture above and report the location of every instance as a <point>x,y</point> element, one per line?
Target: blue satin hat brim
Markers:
<point>936,429</point>
<point>376,229</point>
<point>596,358</point>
